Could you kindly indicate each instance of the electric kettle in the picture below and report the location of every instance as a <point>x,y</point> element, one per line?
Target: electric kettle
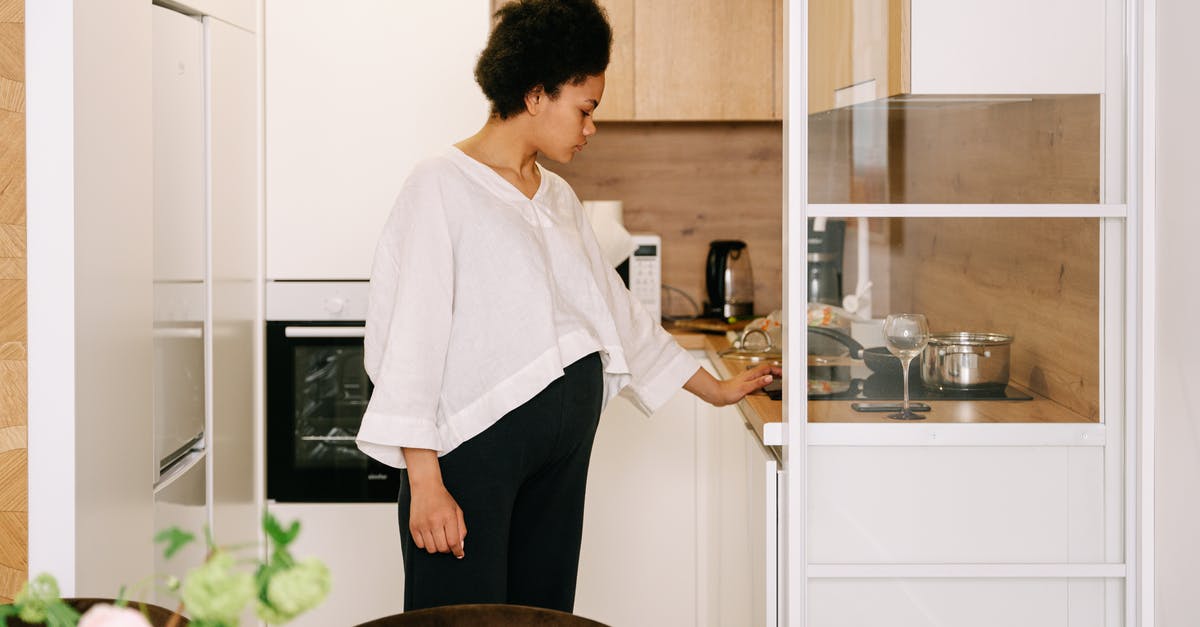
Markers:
<point>728,281</point>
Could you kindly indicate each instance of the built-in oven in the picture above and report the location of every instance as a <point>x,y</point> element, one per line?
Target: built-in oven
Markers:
<point>316,393</point>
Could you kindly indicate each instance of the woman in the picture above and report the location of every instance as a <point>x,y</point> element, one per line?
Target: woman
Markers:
<point>496,333</point>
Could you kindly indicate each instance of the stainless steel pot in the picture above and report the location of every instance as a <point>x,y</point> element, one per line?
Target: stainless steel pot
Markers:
<point>965,361</point>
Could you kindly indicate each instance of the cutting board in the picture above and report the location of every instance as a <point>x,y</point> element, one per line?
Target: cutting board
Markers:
<point>710,325</point>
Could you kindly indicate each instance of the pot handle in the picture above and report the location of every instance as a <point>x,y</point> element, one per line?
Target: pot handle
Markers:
<point>964,350</point>
<point>856,349</point>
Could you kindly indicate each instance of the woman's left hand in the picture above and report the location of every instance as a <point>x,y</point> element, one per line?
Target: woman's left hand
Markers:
<point>728,391</point>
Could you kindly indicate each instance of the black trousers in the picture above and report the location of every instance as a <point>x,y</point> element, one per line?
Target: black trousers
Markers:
<point>520,484</point>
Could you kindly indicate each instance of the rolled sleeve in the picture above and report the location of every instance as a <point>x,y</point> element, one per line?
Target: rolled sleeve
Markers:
<point>410,304</point>
<point>658,365</point>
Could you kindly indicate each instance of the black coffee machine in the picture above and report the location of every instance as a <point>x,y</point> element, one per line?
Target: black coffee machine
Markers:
<point>825,248</point>
<point>728,281</point>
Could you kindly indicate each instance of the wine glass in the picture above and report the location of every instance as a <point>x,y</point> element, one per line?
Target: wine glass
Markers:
<point>906,336</point>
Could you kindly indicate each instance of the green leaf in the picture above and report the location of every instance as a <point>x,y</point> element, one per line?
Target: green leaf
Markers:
<point>280,536</point>
<point>6,611</point>
<point>59,614</point>
<point>175,539</point>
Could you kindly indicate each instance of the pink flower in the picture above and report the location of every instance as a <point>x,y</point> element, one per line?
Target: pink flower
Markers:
<point>104,615</point>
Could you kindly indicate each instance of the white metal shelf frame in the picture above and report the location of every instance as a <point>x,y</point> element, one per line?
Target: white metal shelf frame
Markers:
<point>967,210</point>
<point>1122,430</point>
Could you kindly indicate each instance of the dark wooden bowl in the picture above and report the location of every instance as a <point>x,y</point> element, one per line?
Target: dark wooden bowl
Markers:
<point>493,615</point>
<point>158,615</point>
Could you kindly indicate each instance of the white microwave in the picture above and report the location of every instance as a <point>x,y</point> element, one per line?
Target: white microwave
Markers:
<point>642,272</point>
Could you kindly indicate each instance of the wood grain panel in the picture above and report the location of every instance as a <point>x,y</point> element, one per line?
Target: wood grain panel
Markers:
<point>11,580</point>
<point>12,241</point>
<point>711,60</point>
<point>13,474</point>
<point>1036,279</point>
<point>12,167</point>
<point>923,149</point>
<point>618,101</point>
<point>899,47</point>
<point>1042,150</point>
<point>852,43</point>
<point>692,183</point>
<point>12,11</point>
<point>12,311</point>
<point>13,438</point>
<point>14,536</point>
<point>14,500</point>
<point>780,74</point>
<point>11,269</point>
<point>14,396</point>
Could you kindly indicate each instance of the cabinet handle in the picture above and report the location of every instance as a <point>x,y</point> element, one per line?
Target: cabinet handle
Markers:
<point>324,331</point>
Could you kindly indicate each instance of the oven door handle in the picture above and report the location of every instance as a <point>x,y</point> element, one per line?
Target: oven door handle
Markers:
<point>319,332</point>
<point>327,438</point>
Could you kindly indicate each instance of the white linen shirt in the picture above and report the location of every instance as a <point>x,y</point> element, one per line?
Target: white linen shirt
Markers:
<point>479,297</point>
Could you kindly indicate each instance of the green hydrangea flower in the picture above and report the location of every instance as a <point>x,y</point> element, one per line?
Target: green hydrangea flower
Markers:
<point>214,593</point>
<point>294,591</point>
<point>35,598</point>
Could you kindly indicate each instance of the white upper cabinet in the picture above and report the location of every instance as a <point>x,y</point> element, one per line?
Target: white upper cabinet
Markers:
<point>356,94</point>
<point>1008,46</point>
<point>178,147</point>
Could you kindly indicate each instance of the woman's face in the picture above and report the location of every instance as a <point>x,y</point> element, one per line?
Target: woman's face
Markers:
<point>564,124</point>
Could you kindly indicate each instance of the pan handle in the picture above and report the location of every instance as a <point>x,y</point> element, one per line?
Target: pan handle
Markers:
<point>856,349</point>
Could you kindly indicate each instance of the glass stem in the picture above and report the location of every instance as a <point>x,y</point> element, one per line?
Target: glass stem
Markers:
<point>906,363</point>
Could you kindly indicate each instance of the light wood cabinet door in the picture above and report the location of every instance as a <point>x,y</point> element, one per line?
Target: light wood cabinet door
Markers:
<point>713,60</point>
<point>618,101</point>
<point>857,51</point>
<point>710,60</point>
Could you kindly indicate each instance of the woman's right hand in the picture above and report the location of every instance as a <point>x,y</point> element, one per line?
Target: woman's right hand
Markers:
<point>434,518</point>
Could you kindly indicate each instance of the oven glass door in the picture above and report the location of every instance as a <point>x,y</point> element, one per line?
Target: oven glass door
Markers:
<point>317,391</point>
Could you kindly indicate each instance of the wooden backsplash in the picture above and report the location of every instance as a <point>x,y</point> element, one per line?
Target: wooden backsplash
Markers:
<point>1036,279</point>
<point>696,182</point>
<point>693,183</point>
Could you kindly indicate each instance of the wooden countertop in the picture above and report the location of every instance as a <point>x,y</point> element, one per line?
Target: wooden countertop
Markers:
<point>765,416</point>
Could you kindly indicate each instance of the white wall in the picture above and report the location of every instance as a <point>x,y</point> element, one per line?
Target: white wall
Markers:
<point>1008,46</point>
<point>1177,309</point>
<point>90,258</point>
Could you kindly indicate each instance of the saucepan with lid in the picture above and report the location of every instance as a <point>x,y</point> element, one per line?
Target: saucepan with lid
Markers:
<point>966,361</point>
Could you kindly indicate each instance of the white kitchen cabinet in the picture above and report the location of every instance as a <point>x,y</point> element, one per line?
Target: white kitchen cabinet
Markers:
<point>180,500</point>
<point>356,94</point>
<point>974,602</point>
<point>741,519</point>
<point>179,212</point>
<point>680,520</point>
<point>1010,47</point>
<point>639,563</point>
<point>360,543</point>
<point>233,267</point>
<point>956,505</point>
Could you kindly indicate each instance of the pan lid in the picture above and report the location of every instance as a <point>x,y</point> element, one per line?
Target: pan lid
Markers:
<point>969,338</point>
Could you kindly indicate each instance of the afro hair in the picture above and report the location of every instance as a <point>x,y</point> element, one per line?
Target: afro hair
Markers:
<point>541,43</point>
